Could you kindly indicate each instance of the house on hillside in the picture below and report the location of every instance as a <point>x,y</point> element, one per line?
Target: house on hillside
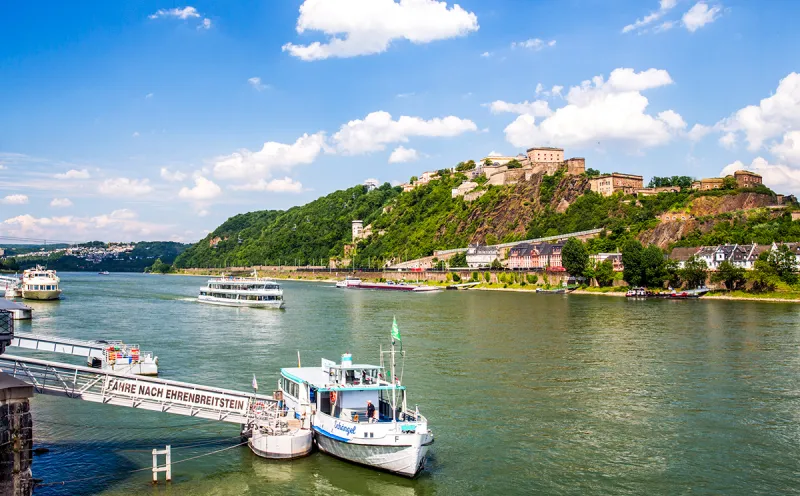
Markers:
<point>481,256</point>
<point>519,256</point>
<point>681,255</point>
<point>793,247</point>
<point>616,260</point>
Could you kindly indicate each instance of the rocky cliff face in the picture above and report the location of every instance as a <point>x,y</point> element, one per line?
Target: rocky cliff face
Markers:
<point>715,205</point>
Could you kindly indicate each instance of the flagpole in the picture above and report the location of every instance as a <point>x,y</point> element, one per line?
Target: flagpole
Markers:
<point>394,379</point>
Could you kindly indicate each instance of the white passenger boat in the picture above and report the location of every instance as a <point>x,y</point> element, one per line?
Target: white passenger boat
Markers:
<point>359,413</point>
<point>125,359</point>
<point>40,284</point>
<point>242,292</point>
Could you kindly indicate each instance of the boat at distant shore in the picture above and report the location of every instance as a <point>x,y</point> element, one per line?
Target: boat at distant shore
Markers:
<point>104,273</point>
<point>356,283</point>
<point>252,291</point>
<point>40,284</point>
<point>644,293</point>
<point>552,291</point>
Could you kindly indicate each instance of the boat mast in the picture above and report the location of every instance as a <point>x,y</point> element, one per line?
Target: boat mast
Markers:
<point>394,389</point>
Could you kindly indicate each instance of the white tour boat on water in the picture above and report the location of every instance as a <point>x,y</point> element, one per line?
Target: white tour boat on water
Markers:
<point>40,284</point>
<point>359,413</point>
<point>242,292</point>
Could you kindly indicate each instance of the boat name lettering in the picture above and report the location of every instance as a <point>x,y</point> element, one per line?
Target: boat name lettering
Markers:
<point>341,427</point>
<point>177,395</point>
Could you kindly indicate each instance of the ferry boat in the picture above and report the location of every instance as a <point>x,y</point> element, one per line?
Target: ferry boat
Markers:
<point>356,283</point>
<point>359,412</point>
<point>40,284</point>
<point>242,292</point>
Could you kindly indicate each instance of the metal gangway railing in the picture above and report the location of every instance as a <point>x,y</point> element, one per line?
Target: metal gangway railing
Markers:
<point>71,346</point>
<point>7,281</point>
<point>144,393</point>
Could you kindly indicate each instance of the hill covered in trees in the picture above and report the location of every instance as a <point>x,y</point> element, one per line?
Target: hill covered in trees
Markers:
<point>142,255</point>
<point>408,225</point>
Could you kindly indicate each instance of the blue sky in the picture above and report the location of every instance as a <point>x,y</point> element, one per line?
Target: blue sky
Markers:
<point>159,120</point>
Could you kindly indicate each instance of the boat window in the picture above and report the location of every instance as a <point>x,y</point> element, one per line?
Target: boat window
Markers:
<point>325,402</point>
<point>291,388</point>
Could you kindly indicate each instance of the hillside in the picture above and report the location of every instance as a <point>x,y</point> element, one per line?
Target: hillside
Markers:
<point>142,255</point>
<point>408,225</point>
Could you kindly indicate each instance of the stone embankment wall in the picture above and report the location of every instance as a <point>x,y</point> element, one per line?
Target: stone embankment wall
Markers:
<point>16,437</point>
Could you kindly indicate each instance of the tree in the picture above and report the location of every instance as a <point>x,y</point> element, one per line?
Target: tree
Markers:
<point>413,179</point>
<point>672,269</point>
<point>632,260</point>
<point>491,239</point>
<point>729,182</point>
<point>694,272</point>
<point>465,166</point>
<point>575,257</point>
<point>458,260</point>
<point>604,273</point>
<point>496,265</point>
<point>784,264</point>
<point>488,162</point>
<point>653,273</point>
<point>733,277</point>
<point>592,172</point>
<point>763,275</point>
<point>514,164</point>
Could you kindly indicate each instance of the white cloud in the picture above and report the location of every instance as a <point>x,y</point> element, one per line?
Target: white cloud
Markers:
<point>120,224</point>
<point>61,202</point>
<point>534,44</point>
<point>378,129</point>
<point>285,185</point>
<point>539,88</point>
<point>203,191</point>
<point>206,24</point>
<point>256,83</point>
<point>172,177</point>
<point>403,154</point>
<point>486,54</point>
<point>246,164</point>
<point>405,95</point>
<point>364,27</point>
<point>789,149</point>
<point>778,177</point>
<point>640,24</point>
<point>135,134</point>
<point>772,117</point>
<point>148,96</point>
<point>14,200</point>
<point>728,140</point>
<point>556,91</point>
<point>74,174</point>
<point>599,111</point>
<point>124,187</point>
<point>184,13</point>
<point>538,108</point>
<point>700,15</point>
<point>494,154</point>
<point>698,132</point>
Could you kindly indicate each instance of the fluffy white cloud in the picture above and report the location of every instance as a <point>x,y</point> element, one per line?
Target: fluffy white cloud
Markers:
<point>172,177</point>
<point>14,200</point>
<point>789,149</point>
<point>61,202</point>
<point>256,83</point>
<point>778,177</point>
<point>74,174</point>
<point>378,129</point>
<point>364,27</point>
<point>599,111</point>
<point>403,154</point>
<point>698,132</point>
<point>120,224</point>
<point>772,117</point>
<point>184,13</point>
<point>538,108</point>
<point>273,156</point>
<point>203,191</point>
<point>699,15</point>
<point>124,187</point>
<point>534,44</point>
<point>285,185</point>
<point>486,54</point>
<point>728,140</point>
<point>206,24</point>
<point>664,7</point>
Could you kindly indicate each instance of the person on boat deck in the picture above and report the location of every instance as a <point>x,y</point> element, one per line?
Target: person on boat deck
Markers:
<point>371,414</point>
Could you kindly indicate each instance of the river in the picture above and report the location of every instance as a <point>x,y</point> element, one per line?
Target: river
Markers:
<point>526,393</point>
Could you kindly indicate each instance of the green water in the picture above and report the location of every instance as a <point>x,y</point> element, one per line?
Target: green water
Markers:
<point>526,393</point>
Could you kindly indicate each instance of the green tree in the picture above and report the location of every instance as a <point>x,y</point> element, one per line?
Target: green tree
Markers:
<point>672,269</point>
<point>784,263</point>
<point>413,179</point>
<point>532,278</point>
<point>514,164</point>
<point>491,239</point>
<point>465,166</point>
<point>653,273</point>
<point>729,182</point>
<point>763,276</point>
<point>694,272</point>
<point>458,260</point>
<point>604,273</point>
<point>592,172</point>
<point>575,257</point>
<point>632,260</point>
<point>488,162</point>
<point>733,277</point>
<point>496,265</point>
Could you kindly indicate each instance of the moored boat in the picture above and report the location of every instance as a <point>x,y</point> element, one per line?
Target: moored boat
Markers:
<point>252,291</point>
<point>355,283</point>
<point>275,435</point>
<point>125,359</point>
<point>40,284</point>
<point>360,413</point>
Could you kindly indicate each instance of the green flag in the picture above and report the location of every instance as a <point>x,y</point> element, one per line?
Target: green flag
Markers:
<point>395,331</point>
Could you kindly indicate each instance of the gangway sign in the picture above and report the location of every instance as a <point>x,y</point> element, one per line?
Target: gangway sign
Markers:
<point>145,393</point>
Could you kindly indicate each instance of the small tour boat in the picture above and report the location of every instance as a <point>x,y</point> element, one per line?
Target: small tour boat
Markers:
<point>126,359</point>
<point>252,291</point>
<point>40,284</point>
<point>359,412</point>
<point>356,283</point>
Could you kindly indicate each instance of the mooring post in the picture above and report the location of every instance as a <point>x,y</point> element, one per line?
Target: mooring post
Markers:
<point>155,466</point>
<point>167,468</point>
<point>169,463</point>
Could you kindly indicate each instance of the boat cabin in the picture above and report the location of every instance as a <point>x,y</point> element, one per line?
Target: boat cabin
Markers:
<point>342,391</point>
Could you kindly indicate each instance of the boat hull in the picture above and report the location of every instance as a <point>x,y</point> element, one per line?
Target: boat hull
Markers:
<point>41,295</point>
<point>275,304</point>
<point>405,460</point>
<point>283,447</point>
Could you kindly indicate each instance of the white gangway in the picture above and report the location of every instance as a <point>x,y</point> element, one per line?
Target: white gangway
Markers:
<point>144,393</point>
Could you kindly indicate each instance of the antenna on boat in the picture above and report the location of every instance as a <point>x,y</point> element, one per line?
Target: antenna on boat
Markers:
<point>298,359</point>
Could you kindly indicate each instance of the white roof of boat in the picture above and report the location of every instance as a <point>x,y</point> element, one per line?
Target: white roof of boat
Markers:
<point>316,375</point>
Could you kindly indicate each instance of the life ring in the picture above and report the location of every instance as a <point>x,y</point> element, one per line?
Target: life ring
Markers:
<point>258,408</point>
<point>333,397</point>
